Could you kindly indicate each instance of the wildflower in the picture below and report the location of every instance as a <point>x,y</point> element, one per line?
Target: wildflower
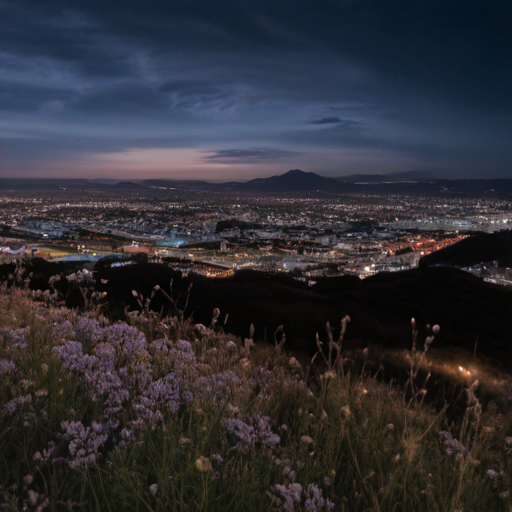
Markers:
<point>7,366</point>
<point>294,364</point>
<point>315,502</point>
<point>453,444</point>
<point>153,489</point>
<point>249,435</point>
<point>203,464</point>
<point>345,410</point>
<point>306,440</point>
<point>289,472</point>
<point>232,409</point>
<point>328,375</point>
<point>435,329</point>
<point>201,329</point>
<point>33,497</point>
<point>231,345</point>
<point>28,479</point>
<point>492,474</point>
<point>397,457</point>
<point>291,495</point>
<point>390,426</point>
<point>217,458</point>
<point>245,363</point>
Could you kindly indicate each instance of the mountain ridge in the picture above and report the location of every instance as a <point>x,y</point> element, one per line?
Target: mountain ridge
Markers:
<point>294,181</point>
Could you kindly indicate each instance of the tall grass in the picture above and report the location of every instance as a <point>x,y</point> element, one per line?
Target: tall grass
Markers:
<point>164,415</point>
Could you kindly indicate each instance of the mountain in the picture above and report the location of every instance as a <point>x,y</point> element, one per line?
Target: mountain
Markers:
<point>296,181</point>
<point>292,181</point>
<point>390,178</point>
<point>481,248</point>
<point>170,184</point>
<point>128,185</point>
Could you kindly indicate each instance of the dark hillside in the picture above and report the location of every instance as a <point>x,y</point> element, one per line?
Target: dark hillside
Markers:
<point>473,250</point>
<point>381,307</point>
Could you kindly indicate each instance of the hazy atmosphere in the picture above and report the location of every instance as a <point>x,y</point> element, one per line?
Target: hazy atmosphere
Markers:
<point>235,90</point>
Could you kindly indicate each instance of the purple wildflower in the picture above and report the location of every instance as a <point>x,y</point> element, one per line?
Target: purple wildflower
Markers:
<point>289,496</point>
<point>315,502</point>
<point>84,443</point>
<point>453,444</point>
<point>248,434</point>
<point>15,338</point>
<point>7,366</point>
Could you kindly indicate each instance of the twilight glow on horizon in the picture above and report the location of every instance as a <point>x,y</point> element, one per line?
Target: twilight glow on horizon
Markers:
<point>233,90</point>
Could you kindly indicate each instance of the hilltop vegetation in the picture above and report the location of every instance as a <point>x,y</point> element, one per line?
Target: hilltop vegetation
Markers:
<point>160,414</point>
<point>469,309</point>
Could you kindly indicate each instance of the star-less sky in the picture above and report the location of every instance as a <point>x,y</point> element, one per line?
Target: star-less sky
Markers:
<point>218,89</point>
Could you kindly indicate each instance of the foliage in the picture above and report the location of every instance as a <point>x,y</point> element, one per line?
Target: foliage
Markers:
<point>163,415</point>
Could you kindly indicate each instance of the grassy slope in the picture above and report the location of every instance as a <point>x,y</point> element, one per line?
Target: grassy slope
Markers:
<point>208,446</point>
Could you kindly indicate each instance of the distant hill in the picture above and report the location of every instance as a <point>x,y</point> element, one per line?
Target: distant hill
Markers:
<point>296,181</point>
<point>170,184</point>
<point>408,183</point>
<point>473,250</point>
<point>387,178</point>
<point>128,185</point>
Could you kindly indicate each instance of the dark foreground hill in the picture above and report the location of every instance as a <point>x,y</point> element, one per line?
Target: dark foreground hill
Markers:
<point>381,307</point>
<point>473,250</point>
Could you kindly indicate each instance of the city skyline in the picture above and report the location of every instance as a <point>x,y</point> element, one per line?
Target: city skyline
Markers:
<point>228,91</point>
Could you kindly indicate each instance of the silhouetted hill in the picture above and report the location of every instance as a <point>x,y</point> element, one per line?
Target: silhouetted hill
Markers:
<point>473,250</point>
<point>381,307</point>
<point>296,181</point>
<point>393,177</point>
<point>292,181</point>
<point>169,184</point>
<point>128,185</point>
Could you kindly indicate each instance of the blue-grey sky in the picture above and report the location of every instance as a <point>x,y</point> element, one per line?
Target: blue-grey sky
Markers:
<point>234,89</point>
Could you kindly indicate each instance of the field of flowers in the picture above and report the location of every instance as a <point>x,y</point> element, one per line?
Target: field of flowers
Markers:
<point>162,415</point>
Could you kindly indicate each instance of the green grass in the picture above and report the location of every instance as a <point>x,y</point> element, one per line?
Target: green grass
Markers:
<point>361,440</point>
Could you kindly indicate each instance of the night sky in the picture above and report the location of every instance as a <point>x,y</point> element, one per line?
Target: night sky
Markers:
<point>220,90</point>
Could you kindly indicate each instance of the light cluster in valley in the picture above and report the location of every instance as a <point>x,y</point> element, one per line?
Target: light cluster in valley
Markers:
<point>311,234</point>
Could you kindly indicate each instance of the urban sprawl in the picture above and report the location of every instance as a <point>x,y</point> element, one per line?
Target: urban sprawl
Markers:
<point>214,234</point>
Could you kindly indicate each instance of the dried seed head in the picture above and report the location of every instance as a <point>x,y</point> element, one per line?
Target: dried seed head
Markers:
<point>203,464</point>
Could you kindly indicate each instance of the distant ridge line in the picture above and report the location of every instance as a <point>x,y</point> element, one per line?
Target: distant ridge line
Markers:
<point>295,180</point>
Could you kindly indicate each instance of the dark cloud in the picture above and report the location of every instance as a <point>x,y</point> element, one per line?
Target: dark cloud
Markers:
<point>248,156</point>
<point>325,120</point>
<point>429,80</point>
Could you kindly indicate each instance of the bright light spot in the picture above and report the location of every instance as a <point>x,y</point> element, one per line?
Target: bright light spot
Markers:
<point>464,371</point>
